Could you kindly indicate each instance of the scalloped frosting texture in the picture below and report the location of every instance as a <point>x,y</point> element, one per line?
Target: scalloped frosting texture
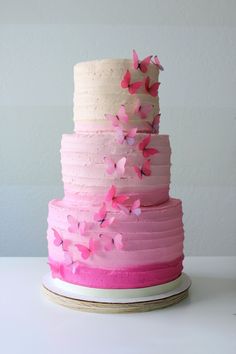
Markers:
<point>97,91</point>
<point>152,252</point>
<point>86,180</point>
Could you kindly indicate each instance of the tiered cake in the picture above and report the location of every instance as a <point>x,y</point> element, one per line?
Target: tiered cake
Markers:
<point>116,227</point>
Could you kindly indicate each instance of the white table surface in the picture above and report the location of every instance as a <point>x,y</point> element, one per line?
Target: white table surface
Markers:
<point>203,323</point>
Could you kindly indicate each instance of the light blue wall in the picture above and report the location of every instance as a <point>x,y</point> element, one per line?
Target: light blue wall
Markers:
<point>40,41</point>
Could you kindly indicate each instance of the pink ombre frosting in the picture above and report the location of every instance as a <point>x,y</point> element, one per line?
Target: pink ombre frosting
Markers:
<point>86,180</point>
<point>152,251</point>
<point>149,249</point>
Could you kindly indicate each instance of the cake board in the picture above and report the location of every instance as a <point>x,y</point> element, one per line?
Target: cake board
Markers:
<point>81,302</point>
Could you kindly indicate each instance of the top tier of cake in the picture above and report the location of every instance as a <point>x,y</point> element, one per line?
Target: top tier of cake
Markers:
<point>98,91</point>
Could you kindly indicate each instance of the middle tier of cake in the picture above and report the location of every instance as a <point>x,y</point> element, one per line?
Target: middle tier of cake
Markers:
<point>85,176</point>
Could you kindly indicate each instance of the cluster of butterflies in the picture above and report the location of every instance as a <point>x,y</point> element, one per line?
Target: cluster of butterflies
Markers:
<point>117,201</point>
<point>141,110</point>
<point>117,168</point>
<point>108,242</point>
<point>142,65</point>
<point>103,220</point>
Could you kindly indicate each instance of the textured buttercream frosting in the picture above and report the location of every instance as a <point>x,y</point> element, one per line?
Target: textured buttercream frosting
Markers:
<point>86,180</point>
<point>97,91</point>
<point>152,252</point>
<point>116,227</point>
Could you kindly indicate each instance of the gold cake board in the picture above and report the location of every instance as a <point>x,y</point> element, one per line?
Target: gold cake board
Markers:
<point>104,307</point>
<point>160,302</point>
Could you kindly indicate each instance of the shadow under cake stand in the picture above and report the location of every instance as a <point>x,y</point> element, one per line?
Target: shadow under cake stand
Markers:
<point>116,300</point>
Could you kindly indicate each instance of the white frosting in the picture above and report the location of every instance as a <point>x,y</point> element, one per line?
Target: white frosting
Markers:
<point>97,91</point>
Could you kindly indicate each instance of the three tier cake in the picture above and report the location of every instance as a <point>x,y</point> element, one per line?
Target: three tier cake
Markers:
<point>116,227</point>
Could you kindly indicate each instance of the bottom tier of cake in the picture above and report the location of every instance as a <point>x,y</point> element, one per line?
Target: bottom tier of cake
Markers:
<point>117,251</point>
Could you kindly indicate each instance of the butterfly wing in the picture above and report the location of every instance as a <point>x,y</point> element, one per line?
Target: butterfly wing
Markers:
<point>123,116</point>
<point>145,109</point>
<point>108,245</point>
<point>135,60</point>
<point>136,210</point>
<point>147,83</point>
<point>118,242</point>
<point>146,168</point>
<point>73,224</point>
<point>101,214</point>
<point>149,152</point>
<point>110,194</point>
<point>144,64</point>
<point>145,142</point>
<point>109,165</point>
<point>120,135</point>
<point>120,199</point>
<point>134,87</point>
<point>155,123</point>
<point>137,106</point>
<point>153,89</point>
<point>124,209</point>
<point>74,267</point>
<point>107,242</point>
<point>113,119</point>
<point>65,244</point>
<point>82,228</point>
<point>125,82</point>
<point>93,245</point>
<point>130,137</point>
<point>157,63</point>
<point>85,251</point>
<point>138,172</point>
<point>57,238</point>
<point>120,166</point>
<point>107,222</point>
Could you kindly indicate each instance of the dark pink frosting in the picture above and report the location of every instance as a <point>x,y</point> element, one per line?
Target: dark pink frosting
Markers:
<point>128,278</point>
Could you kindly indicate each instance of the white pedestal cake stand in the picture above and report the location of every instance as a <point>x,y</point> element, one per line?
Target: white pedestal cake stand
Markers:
<point>115,301</point>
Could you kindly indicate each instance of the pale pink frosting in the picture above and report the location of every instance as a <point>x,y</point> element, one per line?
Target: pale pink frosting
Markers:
<point>152,252</point>
<point>153,240</point>
<point>86,180</point>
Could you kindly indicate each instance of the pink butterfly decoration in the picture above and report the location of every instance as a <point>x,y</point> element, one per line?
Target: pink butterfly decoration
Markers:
<point>145,150</point>
<point>155,124</point>
<point>110,242</point>
<point>117,167</point>
<point>144,170</point>
<point>75,226</point>
<point>126,83</point>
<point>116,200</point>
<point>142,110</point>
<point>156,62</point>
<point>128,137</point>
<point>58,241</point>
<point>85,251</point>
<point>135,208</point>
<point>101,217</point>
<point>142,65</point>
<point>120,117</point>
<point>68,260</point>
<point>151,89</point>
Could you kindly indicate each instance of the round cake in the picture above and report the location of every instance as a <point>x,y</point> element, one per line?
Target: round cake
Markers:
<point>116,229</point>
